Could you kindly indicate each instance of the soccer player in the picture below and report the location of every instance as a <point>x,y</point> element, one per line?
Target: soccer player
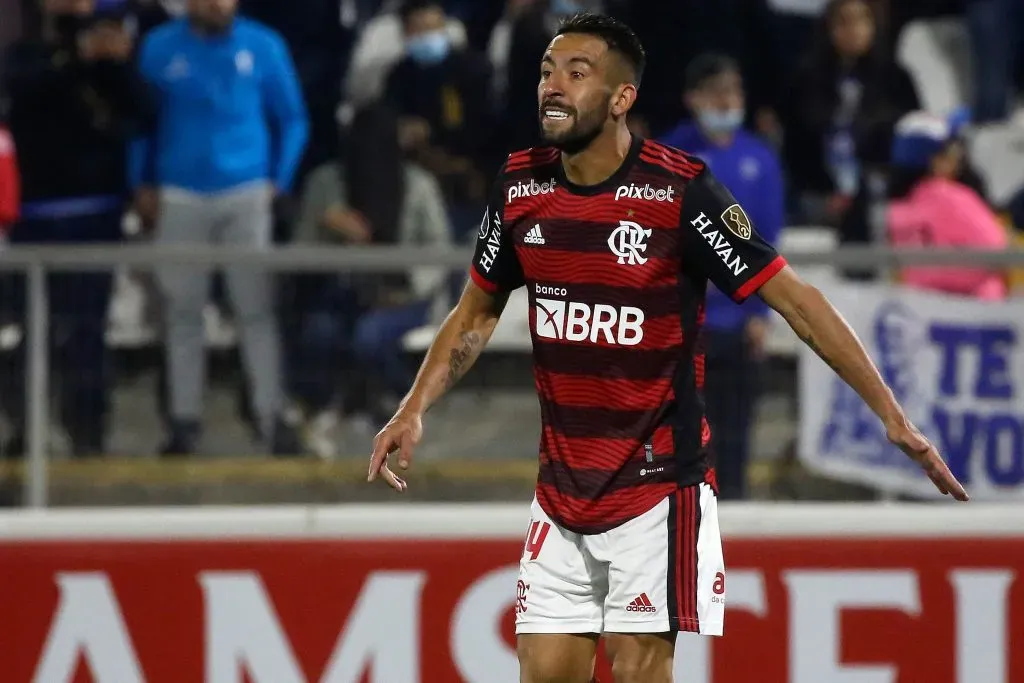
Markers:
<point>616,238</point>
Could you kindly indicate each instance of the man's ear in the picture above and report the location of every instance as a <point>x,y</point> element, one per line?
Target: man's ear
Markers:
<point>623,99</point>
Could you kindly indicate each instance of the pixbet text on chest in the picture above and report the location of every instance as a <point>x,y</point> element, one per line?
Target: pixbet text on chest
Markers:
<point>521,190</point>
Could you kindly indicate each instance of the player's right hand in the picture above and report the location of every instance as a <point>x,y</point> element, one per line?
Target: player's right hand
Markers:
<point>400,436</point>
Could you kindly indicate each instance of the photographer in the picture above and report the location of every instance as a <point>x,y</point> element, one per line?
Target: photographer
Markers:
<point>75,99</point>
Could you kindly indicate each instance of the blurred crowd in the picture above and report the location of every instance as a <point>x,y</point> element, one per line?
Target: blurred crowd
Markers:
<point>335,122</point>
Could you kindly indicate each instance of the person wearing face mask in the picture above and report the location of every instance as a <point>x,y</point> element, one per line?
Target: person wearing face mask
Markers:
<point>378,48</point>
<point>735,334</point>
<point>442,96</point>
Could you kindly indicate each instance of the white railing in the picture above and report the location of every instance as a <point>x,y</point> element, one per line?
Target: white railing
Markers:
<point>37,261</point>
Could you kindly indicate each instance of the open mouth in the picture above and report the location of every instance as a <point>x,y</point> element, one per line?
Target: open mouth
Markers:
<point>552,114</point>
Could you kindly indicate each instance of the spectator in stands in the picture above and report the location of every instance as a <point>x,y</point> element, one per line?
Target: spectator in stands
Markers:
<point>930,207</point>
<point>735,334</point>
<point>442,95</point>
<point>995,30</point>
<point>230,134</point>
<point>371,196</point>
<point>673,33</point>
<point>379,48</point>
<point>10,183</point>
<point>960,120</point>
<point>75,101</point>
<point>320,46</point>
<point>10,204</point>
<point>478,17</point>
<point>838,118</point>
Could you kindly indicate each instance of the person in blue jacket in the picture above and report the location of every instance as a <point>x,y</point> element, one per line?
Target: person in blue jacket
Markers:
<point>735,335</point>
<point>230,133</point>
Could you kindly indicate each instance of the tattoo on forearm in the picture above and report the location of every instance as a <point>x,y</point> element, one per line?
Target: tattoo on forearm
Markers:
<point>461,357</point>
<point>813,346</point>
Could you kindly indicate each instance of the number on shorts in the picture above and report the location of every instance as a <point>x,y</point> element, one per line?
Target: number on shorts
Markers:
<point>535,538</point>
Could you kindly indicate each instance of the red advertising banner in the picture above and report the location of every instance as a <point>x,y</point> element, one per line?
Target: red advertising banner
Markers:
<point>808,610</point>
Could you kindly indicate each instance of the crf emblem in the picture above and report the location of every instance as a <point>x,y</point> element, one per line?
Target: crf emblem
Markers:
<point>521,589</point>
<point>629,242</point>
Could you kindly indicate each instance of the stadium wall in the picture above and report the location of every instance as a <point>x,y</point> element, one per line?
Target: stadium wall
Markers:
<point>426,593</point>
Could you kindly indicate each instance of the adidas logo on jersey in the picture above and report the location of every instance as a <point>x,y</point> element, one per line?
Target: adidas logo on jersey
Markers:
<point>534,236</point>
<point>641,604</point>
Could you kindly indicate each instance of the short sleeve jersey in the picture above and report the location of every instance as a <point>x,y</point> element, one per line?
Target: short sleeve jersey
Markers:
<point>616,275</point>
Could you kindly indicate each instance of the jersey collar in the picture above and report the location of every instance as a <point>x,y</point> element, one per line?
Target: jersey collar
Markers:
<point>613,181</point>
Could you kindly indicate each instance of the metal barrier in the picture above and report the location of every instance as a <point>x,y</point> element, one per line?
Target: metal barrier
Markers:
<point>37,262</point>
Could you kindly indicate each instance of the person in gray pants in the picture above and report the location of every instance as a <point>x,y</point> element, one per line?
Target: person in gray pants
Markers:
<point>230,135</point>
<point>241,217</point>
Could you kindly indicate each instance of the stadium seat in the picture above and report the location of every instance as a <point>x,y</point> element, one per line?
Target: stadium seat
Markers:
<point>997,150</point>
<point>937,54</point>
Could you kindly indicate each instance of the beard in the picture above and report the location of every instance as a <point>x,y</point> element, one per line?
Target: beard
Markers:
<point>584,130</point>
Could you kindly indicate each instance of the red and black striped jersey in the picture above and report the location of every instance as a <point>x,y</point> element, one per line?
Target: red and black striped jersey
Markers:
<point>616,274</point>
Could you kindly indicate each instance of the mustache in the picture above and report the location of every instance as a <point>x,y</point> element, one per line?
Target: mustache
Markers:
<point>558,105</point>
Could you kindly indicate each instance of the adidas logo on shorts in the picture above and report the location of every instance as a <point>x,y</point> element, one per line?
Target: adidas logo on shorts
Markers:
<point>534,236</point>
<point>641,604</point>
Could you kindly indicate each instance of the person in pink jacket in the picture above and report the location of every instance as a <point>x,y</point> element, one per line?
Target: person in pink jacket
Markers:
<point>929,207</point>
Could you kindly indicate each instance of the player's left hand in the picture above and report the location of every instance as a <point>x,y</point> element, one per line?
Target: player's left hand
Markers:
<point>919,449</point>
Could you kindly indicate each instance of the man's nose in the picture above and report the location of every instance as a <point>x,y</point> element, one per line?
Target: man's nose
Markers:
<point>553,85</point>
<point>552,88</point>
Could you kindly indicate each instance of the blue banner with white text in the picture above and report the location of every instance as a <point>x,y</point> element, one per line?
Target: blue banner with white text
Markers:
<point>957,367</point>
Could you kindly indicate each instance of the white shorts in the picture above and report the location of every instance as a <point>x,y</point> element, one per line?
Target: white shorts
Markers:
<point>660,572</point>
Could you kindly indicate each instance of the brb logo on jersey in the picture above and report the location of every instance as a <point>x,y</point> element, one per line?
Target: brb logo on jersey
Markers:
<point>531,189</point>
<point>647,192</point>
<point>628,242</point>
<point>578,322</point>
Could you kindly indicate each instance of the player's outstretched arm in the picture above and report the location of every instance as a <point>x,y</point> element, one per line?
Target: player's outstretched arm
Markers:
<point>456,347</point>
<point>824,330</point>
